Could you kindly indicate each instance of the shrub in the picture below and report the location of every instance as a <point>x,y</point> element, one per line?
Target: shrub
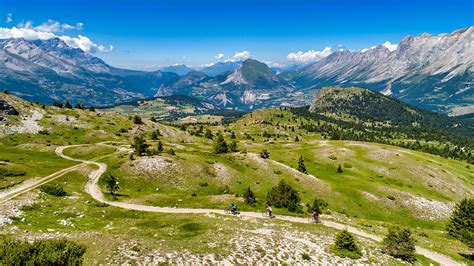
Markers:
<point>305,256</point>
<point>339,169</point>
<point>399,243</point>
<point>332,157</point>
<point>249,197</point>
<point>41,252</point>
<point>461,223</point>
<point>284,196</point>
<point>347,165</point>
<point>345,246</point>
<point>203,184</point>
<point>55,190</point>
<point>390,197</point>
<point>265,154</point>
<point>137,120</point>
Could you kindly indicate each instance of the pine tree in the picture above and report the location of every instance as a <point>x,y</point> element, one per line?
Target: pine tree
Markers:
<point>159,147</point>
<point>339,169</point>
<point>400,244</point>
<point>153,135</point>
<point>79,105</point>
<point>92,109</point>
<point>233,146</point>
<point>68,105</point>
<point>301,166</point>
<point>137,120</point>
<point>232,136</point>
<point>208,134</point>
<point>172,152</point>
<point>297,139</point>
<point>346,246</point>
<point>111,183</point>
<point>220,146</point>
<point>139,145</point>
<point>249,197</point>
<point>152,119</point>
<point>461,223</point>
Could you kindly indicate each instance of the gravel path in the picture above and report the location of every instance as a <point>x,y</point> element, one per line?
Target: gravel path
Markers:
<point>93,189</point>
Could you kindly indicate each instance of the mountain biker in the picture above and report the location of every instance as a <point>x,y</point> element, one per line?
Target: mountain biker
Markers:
<point>233,208</point>
<point>315,215</point>
<point>270,211</point>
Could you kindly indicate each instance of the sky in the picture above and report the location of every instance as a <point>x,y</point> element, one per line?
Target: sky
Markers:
<point>146,34</point>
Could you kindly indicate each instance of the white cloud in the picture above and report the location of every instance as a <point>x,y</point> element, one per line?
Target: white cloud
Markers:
<point>50,26</point>
<point>391,47</point>
<point>206,65</point>
<point>309,56</point>
<point>9,18</point>
<point>241,55</point>
<point>219,56</point>
<point>48,30</point>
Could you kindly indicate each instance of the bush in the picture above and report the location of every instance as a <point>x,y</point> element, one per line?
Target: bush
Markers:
<point>284,196</point>
<point>305,256</point>
<point>339,169</point>
<point>265,154</point>
<point>55,190</point>
<point>41,252</point>
<point>345,246</point>
<point>461,223</point>
<point>137,120</point>
<point>399,244</point>
<point>249,197</point>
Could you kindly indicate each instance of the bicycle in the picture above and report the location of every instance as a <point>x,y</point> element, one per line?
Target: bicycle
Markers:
<point>313,220</point>
<point>267,215</point>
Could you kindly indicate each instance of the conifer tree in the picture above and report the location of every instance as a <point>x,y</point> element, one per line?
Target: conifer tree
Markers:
<point>68,105</point>
<point>301,166</point>
<point>220,146</point>
<point>339,169</point>
<point>461,223</point>
<point>159,147</point>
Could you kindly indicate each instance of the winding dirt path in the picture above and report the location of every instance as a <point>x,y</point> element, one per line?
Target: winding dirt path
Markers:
<point>93,189</point>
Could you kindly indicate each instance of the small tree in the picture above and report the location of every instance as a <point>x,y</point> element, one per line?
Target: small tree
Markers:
<point>461,223</point>
<point>346,246</point>
<point>339,169</point>
<point>139,145</point>
<point>111,184</point>
<point>232,135</point>
<point>399,243</point>
<point>159,147</point>
<point>172,152</point>
<point>153,135</point>
<point>233,146</point>
<point>58,104</point>
<point>92,109</point>
<point>152,119</point>
<point>220,146</point>
<point>265,154</point>
<point>6,91</point>
<point>301,166</point>
<point>79,105</point>
<point>68,105</point>
<point>208,134</point>
<point>297,139</point>
<point>137,120</point>
<point>249,197</point>
<point>131,156</point>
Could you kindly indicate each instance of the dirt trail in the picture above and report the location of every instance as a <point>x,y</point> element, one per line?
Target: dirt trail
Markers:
<point>93,189</point>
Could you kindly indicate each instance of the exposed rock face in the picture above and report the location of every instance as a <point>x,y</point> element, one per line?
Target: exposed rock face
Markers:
<point>432,71</point>
<point>6,108</point>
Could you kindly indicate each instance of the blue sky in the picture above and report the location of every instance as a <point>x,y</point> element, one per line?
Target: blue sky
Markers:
<point>148,34</point>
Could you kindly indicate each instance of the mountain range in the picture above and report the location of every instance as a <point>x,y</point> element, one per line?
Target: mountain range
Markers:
<point>433,72</point>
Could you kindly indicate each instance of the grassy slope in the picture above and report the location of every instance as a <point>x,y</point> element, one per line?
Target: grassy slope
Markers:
<point>389,170</point>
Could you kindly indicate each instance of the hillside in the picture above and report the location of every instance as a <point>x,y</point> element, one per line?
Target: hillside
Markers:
<point>380,186</point>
